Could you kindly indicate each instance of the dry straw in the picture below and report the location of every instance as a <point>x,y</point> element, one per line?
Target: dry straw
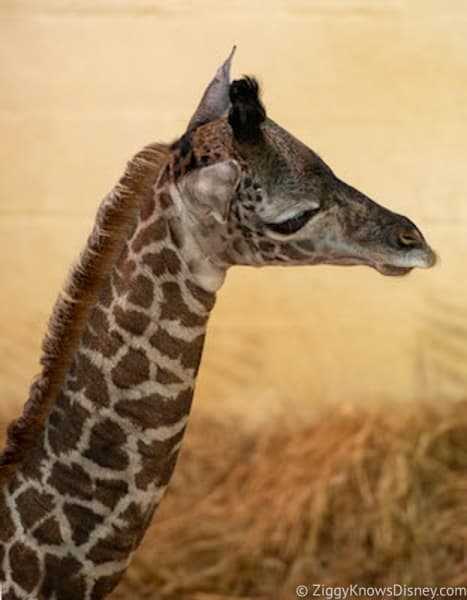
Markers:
<point>368,497</point>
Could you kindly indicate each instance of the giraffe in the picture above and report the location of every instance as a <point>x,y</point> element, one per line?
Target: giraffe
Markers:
<point>87,463</point>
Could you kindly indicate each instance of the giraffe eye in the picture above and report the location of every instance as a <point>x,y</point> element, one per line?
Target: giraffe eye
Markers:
<point>293,224</point>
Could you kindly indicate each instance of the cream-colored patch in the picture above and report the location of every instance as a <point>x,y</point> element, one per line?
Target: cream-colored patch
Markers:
<point>207,274</point>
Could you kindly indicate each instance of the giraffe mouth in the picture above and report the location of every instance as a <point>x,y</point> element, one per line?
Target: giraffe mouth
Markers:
<point>422,260</point>
<point>393,271</point>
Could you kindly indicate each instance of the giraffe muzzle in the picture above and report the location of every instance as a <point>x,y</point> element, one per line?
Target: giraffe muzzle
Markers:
<point>407,249</point>
<point>423,258</point>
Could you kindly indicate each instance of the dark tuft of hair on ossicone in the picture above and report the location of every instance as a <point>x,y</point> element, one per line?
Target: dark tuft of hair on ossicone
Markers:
<point>247,111</point>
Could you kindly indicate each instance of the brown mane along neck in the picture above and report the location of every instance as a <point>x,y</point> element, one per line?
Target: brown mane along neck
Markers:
<point>114,220</point>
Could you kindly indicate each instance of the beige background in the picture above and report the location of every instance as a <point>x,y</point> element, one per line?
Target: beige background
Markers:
<point>378,88</point>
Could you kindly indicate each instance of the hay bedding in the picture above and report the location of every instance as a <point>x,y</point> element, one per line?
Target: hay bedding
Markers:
<point>372,498</point>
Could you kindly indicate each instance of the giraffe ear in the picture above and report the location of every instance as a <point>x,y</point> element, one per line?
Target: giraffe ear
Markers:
<point>209,190</point>
<point>215,100</point>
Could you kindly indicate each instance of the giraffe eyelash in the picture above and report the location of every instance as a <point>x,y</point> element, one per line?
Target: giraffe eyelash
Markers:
<point>293,224</point>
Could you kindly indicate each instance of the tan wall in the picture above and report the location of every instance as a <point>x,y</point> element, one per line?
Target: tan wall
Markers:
<point>378,88</point>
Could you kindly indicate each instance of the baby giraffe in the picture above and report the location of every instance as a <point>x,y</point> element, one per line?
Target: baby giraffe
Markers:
<point>87,463</point>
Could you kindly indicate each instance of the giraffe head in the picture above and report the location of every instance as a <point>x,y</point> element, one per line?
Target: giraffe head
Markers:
<point>258,196</point>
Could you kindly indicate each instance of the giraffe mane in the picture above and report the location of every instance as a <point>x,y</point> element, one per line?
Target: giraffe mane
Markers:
<point>113,221</point>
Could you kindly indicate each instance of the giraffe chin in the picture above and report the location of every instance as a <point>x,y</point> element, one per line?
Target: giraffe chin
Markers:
<point>393,271</point>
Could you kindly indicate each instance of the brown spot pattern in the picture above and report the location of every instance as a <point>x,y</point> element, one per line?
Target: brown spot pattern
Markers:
<point>122,541</point>
<point>142,292</point>
<point>189,352</point>
<point>31,468</point>
<point>154,232</point>
<point>98,320</point>
<point>24,566</point>
<point>89,378</point>
<point>73,480</point>
<point>48,532</point>
<point>32,506</point>
<point>158,461</point>
<point>105,585</point>
<point>165,200</point>
<point>115,546</point>
<point>190,319</point>
<point>147,412</point>
<point>131,370</point>
<point>191,357</point>
<point>167,344</point>
<point>109,491</point>
<point>105,445</point>
<point>207,299</point>
<point>82,521</point>
<point>166,377</point>
<point>65,424</point>
<point>164,261</point>
<point>137,519</point>
<point>148,208</point>
<point>173,306</point>
<point>62,579</point>
<point>155,410</point>
<point>132,321</point>
<point>109,343</point>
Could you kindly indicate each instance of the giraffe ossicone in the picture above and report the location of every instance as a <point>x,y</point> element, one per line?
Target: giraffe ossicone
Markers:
<point>88,461</point>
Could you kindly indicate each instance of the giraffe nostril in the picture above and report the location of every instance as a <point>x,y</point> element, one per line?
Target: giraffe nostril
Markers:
<point>409,238</point>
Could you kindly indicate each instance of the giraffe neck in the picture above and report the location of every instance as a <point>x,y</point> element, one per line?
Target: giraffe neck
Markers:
<point>79,504</point>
